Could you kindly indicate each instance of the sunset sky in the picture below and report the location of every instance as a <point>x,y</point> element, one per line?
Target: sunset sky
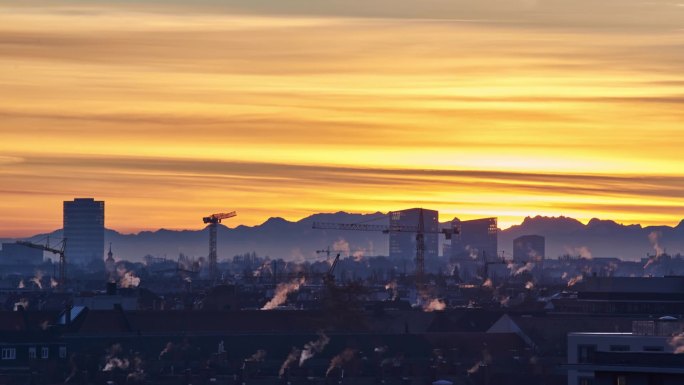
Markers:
<point>173,110</point>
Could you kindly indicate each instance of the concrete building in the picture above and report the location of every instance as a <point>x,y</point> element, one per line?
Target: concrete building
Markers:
<point>625,295</point>
<point>403,244</point>
<point>84,230</point>
<point>647,355</point>
<point>13,254</point>
<point>476,240</point>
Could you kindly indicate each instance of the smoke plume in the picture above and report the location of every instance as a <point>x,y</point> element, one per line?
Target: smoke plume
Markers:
<point>654,238</point>
<point>281,293</point>
<point>291,359</point>
<point>393,287</point>
<point>573,281</point>
<point>314,347</point>
<point>339,360</point>
<point>677,343</point>
<point>129,280</point>
<point>37,280</point>
<point>434,305</point>
<point>258,356</point>
<point>113,360</point>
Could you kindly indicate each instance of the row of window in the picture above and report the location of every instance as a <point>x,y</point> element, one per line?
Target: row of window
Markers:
<point>11,353</point>
<point>627,348</point>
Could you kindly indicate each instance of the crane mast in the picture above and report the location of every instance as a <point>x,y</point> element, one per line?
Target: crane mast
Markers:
<point>213,221</point>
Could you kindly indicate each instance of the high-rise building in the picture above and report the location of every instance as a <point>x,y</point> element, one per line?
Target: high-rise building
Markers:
<point>14,254</point>
<point>403,244</point>
<point>84,230</point>
<point>529,248</point>
<point>475,239</point>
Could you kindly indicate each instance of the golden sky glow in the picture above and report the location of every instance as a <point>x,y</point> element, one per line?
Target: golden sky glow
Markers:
<point>274,108</point>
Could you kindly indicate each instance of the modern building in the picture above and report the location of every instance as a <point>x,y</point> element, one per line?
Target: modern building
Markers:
<point>625,296</point>
<point>529,248</point>
<point>647,355</point>
<point>14,254</point>
<point>475,240</point>
<point>403,244</point>
<point>84,230</point>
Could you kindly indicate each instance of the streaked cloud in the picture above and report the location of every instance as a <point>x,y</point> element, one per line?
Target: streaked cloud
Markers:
<point>507,108</point>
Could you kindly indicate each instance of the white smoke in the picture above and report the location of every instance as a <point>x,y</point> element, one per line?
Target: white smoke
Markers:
<point>575,280</point>
<point>281,293</point>
<point>37,280</point>
<point>129,280</point>
<point>486,360</point>
<point>339,360</point>
<point>291,359</point>
<point>314,347</point>
<point>113,360</point>
<point>258,356</point>
<point>582,251</point>
<point>677,343</point>
<point>393,287</point>
<point>528,267</point>
<point>341,246</point>
<point>434,305</point>
<point>654,238</point>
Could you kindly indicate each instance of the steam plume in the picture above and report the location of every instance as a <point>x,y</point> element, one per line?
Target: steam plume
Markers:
<point>434,305</point>
<point>314,347</point>
<point>291,359</point>
<point>281,292</point>
<point>339,360</point>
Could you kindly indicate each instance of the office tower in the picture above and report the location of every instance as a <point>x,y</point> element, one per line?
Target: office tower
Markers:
<point>403,244</point>
<point>476,239</point>
<point>84,230</point>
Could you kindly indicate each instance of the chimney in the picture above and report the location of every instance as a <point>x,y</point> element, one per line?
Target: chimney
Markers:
<point>67,314</point>
<point>111,288</point>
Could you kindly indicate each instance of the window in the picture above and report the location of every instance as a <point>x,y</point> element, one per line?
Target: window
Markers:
<point>653,348</point>
<point>9,353</point>
<point>620,348</point>
<point>62,352</point>
<point>585,353</point>
<point>44,352</point>
<point>621,380</point>
<point>32,353</point>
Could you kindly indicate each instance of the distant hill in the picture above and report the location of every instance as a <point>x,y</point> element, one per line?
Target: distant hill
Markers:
<point>280,238</point>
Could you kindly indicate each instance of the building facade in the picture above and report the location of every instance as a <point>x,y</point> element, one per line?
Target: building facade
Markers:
<point>84,230</point>
<point>14,254</point>
<point>403,244</point>
<point>475,240</point>
<point>650,354</point>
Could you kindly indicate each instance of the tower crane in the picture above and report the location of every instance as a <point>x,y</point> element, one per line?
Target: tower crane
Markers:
<point>330,276</point>
<point>419,230</point>
<point>54,250</point>
<point>213,220</point>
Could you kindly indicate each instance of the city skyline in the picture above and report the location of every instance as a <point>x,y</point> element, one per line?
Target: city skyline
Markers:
<point>503,109</point>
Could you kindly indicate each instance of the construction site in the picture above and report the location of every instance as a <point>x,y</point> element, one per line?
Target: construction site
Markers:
<point>341,318</point>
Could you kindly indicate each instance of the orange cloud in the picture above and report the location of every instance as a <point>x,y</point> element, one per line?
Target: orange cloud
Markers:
<point>171,115</point>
